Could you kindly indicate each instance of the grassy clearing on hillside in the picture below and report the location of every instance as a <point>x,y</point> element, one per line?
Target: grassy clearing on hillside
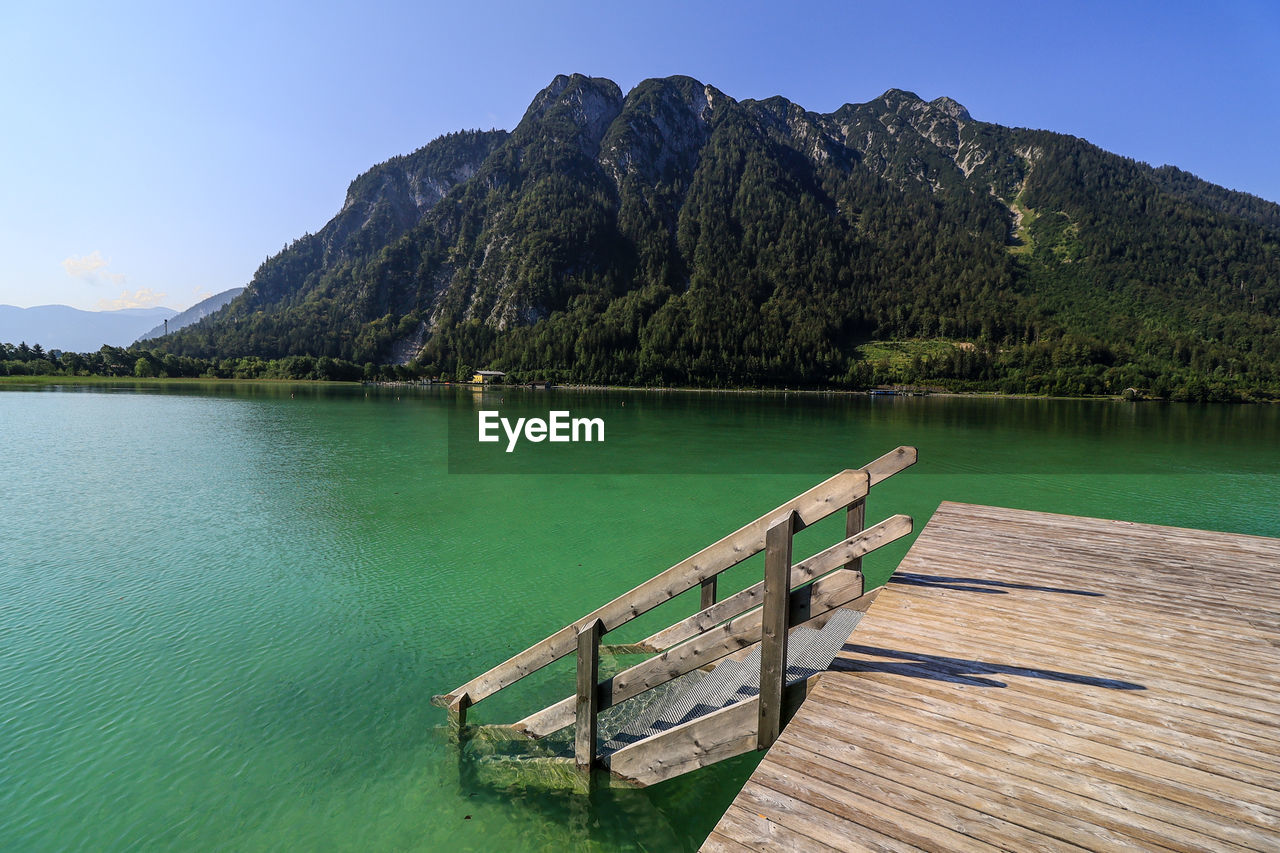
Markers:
<point>898,355</point>
<point>1024,246</point>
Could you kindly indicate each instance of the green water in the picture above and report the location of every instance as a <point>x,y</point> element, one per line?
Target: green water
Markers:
<point>224,610</point>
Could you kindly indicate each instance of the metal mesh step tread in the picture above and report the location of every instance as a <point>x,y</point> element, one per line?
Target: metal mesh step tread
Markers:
<point>696,694</point>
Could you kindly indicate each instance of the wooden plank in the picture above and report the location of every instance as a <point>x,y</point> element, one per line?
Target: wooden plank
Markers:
<point>757,832</point>
<point>812,506</point>
<point>719,735</point>
<point>1195,787</point>
<point>1139,723</point>
<point>840,589</point>
<point>1111,545</point>
<point>849,550</point>
<point>1171,597</point>
<point>1114,648</point>
<point>1060,783</point>
<point>828,817</point>
<point>588,701</point>
<point>1088,823</point>
<point>1175,640</point>
<point>804,779</point>
<point>774,629</point>
<point>960,520</point>
<point>1174,800</point>
<point>774,810</point>
<point>1098,557</point>
<point>700,742</point>
<point>1111,555</point>
<point>952,515</point>
<point>1109,659</point>
<point>1177,643</point>
<point>719,843</point>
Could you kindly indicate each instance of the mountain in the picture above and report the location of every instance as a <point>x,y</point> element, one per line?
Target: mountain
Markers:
<point>193,314</point>
<point>65,328</point>
<point>676,235</point>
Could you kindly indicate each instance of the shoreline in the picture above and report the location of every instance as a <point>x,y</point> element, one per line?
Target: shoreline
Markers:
<point>832,392</point>
<point>53,380</point>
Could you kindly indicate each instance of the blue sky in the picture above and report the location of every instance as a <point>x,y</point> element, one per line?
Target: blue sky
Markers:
<point>154,153</point>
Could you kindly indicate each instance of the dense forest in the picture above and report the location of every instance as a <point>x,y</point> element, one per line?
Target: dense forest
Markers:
<point>138,363</point>
<point>675,236</point>
<point>1062,367</point>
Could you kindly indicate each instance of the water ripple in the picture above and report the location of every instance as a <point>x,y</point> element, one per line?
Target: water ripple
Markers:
<point>222,616</point>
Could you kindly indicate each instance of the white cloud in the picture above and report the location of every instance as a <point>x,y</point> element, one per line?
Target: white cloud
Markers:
<point>144,297</point>
<point>85,266</point>
<point>92,268</point>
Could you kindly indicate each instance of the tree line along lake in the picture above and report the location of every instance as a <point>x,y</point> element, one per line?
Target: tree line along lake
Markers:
<point>224,608</point>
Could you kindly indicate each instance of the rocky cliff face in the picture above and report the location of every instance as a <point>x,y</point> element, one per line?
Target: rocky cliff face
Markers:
<point>391,198</point>
<point>381,206</point>
<point>675,199</point>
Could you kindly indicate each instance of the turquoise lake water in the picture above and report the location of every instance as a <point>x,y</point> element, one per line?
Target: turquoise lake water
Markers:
<point>224,609</point>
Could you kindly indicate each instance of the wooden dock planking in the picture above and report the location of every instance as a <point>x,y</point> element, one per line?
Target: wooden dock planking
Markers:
<point>1035,681</point>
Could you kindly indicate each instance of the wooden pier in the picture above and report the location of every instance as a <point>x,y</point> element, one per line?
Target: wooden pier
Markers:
<point>1030,681</point>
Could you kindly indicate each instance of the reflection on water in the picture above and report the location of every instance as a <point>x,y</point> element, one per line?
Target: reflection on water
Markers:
<point>782,433</point>
<point>224,608</point>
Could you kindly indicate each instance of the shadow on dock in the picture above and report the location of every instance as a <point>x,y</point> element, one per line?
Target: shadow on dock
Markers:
<point>961,670</point>
<point>982,585</point>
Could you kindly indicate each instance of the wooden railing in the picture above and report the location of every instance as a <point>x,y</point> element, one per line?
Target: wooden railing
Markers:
<point>717,630</point>
<point>721,638</point>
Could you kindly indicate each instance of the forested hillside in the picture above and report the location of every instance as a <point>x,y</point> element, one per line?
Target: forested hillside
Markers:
<point>677,236</point>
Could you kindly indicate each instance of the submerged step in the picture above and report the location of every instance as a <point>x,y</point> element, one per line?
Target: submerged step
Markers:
<point>809,651</point>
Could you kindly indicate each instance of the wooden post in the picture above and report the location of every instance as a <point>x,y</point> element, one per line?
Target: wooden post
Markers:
<point>708,592</point>
<point>584,742</point>
<point>773,629</point>
<point>458,713</point>
<point>855,520</point>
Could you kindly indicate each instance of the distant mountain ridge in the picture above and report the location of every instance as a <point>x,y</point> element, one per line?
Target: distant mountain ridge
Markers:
<point>676,235</point>
<point>196,312</point>
<point>62,327</point>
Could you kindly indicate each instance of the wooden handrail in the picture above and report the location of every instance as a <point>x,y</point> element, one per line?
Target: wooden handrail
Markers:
<point>848,552</point>
<point>817,503</point>
<point>718,639</point>
<point>813,506</point>
<point>809,604</point>
<point>898,459</point>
